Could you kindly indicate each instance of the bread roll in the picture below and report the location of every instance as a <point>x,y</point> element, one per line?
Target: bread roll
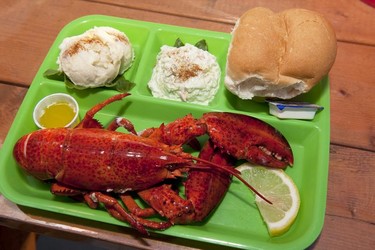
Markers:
<point>279,54</point>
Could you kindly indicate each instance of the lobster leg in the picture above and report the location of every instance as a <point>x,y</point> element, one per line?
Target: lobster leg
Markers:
<point>122,122</point>
<point>75,194</point>
<point>167,202</point>
<point>88,121</point>
<point>163,200</point>
<point>112,206</point>
<point>61,190</point>
<point>204,189</point>
<point>134,208</point>
<point>117,211</point>
<point>177,132</point>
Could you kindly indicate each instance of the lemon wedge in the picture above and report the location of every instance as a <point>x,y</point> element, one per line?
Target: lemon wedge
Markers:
<point>280,189</point>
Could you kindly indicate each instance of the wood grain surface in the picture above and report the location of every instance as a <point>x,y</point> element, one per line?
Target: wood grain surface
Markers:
<point>28,30</point>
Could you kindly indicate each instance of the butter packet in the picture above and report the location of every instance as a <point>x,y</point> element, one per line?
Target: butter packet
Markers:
<point>293,110</point>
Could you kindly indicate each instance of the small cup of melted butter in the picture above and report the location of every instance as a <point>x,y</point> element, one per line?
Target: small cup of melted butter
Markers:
<point>56,111</point>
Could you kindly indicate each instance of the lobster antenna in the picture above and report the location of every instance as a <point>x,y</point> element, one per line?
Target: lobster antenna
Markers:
<point>236,173</point>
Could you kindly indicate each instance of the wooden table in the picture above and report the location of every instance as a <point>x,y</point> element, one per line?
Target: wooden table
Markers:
<point>28,29</point>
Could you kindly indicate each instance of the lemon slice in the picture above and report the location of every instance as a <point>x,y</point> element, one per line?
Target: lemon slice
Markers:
<point>280,189</point>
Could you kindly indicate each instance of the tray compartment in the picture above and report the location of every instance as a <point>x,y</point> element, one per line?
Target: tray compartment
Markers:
<point>217,45</point>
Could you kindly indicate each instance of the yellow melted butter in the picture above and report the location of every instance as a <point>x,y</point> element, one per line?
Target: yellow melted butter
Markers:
<point>57,115</point>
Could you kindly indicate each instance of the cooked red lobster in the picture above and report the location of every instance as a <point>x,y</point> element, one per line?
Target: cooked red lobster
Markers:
<point>94,163</point>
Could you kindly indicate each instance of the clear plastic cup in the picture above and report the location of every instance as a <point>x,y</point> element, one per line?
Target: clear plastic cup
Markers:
<point>44,103</point>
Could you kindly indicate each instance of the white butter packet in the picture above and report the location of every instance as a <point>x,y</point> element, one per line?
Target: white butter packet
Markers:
<point>293,110</point>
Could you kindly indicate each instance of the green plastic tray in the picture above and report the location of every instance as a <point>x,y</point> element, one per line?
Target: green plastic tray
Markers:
<point>236,222</point>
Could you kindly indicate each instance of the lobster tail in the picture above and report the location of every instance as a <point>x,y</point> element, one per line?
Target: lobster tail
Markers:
<point>38,152</point>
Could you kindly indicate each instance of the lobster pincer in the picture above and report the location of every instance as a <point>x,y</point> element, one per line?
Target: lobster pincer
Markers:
<point>241,136</point>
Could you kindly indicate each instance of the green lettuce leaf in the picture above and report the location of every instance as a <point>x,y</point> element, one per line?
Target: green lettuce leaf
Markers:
<point>200,44</point>
<point>178,43</point>
<point>119,83</point>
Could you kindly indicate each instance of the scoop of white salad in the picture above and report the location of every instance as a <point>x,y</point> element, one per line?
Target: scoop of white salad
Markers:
<point>186,73</point>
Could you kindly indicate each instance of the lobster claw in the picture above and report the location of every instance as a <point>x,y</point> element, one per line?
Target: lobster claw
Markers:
<point>248,138</point>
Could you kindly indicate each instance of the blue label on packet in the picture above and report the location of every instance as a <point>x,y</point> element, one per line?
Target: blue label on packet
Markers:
<point>297,105</point>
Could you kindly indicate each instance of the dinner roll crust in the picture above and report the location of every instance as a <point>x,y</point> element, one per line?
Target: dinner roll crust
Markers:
<point>279,54</point>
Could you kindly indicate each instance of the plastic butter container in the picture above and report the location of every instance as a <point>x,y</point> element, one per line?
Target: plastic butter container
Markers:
<point>56,110</point>
<point>293,110</point>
